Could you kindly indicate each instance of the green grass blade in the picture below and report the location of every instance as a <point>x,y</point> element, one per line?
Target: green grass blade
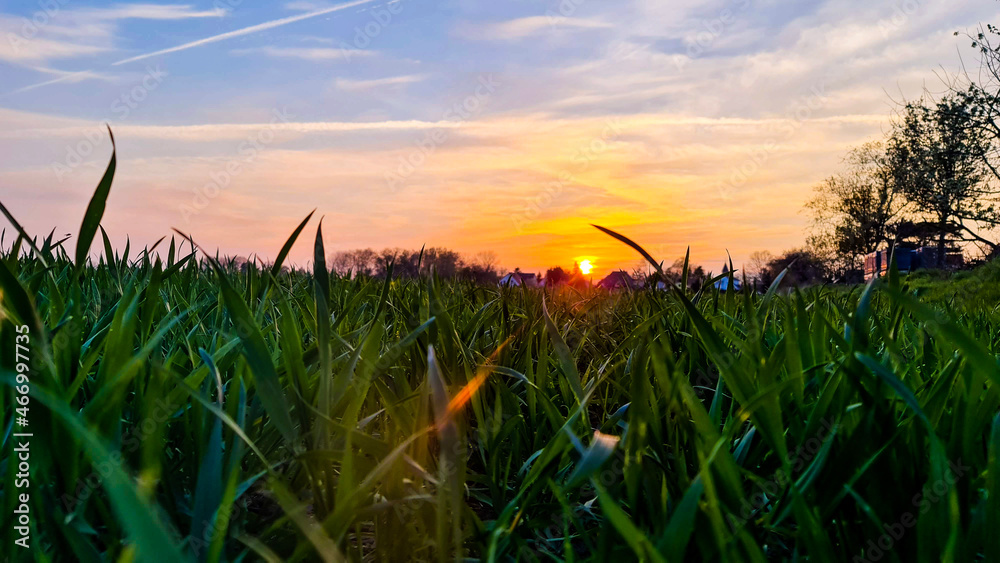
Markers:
<point>95,210</point>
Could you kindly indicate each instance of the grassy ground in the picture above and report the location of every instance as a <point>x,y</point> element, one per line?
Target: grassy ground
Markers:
<point>185,410</point>
<point>967,290</point>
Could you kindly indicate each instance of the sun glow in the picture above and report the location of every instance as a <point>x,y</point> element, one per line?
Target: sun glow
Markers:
<point>586,266</point>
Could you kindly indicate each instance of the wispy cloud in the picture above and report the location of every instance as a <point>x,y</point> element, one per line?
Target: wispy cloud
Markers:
<point>245,31</point>
<point>69,36</point>
<point>71,33</point>
<point>305,6</point>
<point>352,85</point>
<point>317,39</point>
<point>306,53</point>
<point>227,131</point>
<point>153,12</point>
<point>527,26</point>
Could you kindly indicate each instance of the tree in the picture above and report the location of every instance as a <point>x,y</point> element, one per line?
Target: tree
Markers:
<point>758,264</point>
<point>804,266</point>
<point>481,269</point>
<point>479,274</point>
<point>556,276</point>
<point>939,160</point>
<point>486,259</point>
<point>980,93</point>
<point>361,262</point>
<point>411,264</point>
<point>674,274</point>
<point>442,261</point>
<point>857,211</point>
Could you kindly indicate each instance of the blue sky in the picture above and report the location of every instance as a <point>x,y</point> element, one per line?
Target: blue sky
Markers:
<point>475,125</point>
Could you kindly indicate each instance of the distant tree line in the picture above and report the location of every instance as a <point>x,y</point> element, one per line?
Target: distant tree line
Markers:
<point>481,268</point>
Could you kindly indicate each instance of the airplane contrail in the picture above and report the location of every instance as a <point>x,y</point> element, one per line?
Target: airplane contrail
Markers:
<point>244,31</point>
<point>63,78</point>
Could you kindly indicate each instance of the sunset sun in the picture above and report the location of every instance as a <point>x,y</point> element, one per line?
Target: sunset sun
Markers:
<point>586,266</point>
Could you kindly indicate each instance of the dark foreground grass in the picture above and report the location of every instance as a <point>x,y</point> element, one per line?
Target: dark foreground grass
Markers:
<point>183,409</point>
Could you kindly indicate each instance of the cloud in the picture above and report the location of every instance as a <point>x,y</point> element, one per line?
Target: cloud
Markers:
<point>154,12</point>
<point>354,85</point>
<point>244,31</point>
<point>309,54</point>
<point>527,26</point>
<point>305,6</point>
<point>495,182</point>
<point>81,32</point>
<point>19,51</point>
<point>25,42</point>
<point>231,131</point>
<point>59,34</point>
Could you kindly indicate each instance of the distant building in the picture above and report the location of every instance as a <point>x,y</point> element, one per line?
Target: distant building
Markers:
<point>619,280</point>
<point>518,278</point>
<point>723,284</point>
<point>909,259</point>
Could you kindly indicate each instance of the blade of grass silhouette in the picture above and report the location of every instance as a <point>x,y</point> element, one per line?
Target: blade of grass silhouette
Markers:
<point>276,268</point>
<point>95,210</point>
<point>631,243</point>
<point>24,235</point>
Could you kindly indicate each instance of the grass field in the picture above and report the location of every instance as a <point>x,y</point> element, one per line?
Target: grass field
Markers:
<point>183,409</point>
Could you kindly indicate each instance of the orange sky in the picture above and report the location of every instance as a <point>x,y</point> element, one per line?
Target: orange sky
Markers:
<point>629,117</point>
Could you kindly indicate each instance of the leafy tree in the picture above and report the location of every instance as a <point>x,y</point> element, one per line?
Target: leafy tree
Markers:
<point>479,274</point>
<point>556,276</point>
<point>858,210</point>
<point>410,264</point>
<point>696,274</point>
<point>361,262</point>
<point>805,267</point>
<point>939,160</point>
<point>576,278</point>
<point>481,269</point>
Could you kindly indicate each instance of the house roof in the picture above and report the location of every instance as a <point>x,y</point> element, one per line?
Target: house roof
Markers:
<point>618,279</point>
<point>518,278</point>
<point>723,283</point>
